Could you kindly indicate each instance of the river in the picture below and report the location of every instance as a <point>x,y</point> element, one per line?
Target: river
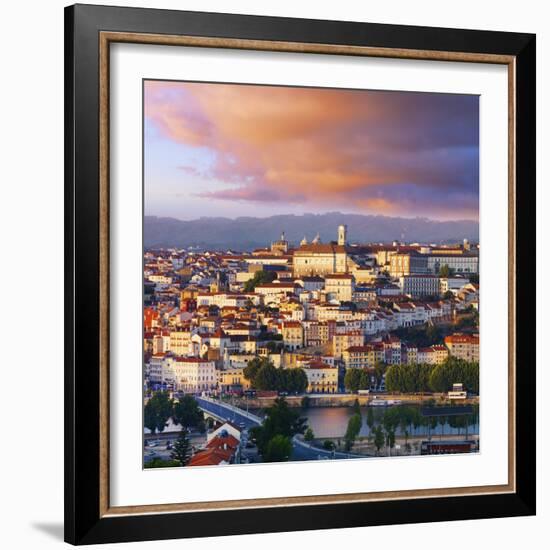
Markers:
<point>331,422</point>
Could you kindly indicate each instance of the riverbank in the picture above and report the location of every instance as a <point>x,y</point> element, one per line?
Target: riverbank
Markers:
<point>348,400</point>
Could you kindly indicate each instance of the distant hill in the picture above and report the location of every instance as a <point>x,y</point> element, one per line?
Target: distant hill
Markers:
<point>247,233</point>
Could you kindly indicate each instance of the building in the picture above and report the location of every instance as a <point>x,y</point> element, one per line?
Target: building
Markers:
<point>419,285</point>
<point>320,258</point>
<point>280,246</point>
<point>179,342</point>
<point>343,341</point>
<point>340,286</point>
<point>434,355</point>
<point>361,357</point>
<point>222,449</point>
<point>461,263</point>
<point>293,335</point>
<point>407,263</point>
<point>321,377</point>
<point>231,379</point>
<point>463,346</point>
<point>193,375</point>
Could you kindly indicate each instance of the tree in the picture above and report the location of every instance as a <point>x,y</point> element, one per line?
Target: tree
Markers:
<point>253,367</point>
<point>364,380</point>
<point>309,436</point>
<point>356,407</point>
<point>445,271</point>
<point>328,445</point>
<point>157,411</point>
<point>352,379</point>
<point>280,420</point>
<point>378,438</point>
<point>267,377</point>
<point>306,400</point>
<point>278,449</point>
<point>370,418</point>
<point>379,371</point>
<point>352,431</point>
<point>448,295</point>
<point>187,413</point>
<point>260,278</point>
<point>158,462</point>
<point>182,449</point>
<point>390,440</point>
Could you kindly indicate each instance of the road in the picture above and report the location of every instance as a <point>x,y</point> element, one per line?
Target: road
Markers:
<point>300,449</point>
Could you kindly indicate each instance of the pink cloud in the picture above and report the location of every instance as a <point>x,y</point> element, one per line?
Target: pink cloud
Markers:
<point>319,145</point>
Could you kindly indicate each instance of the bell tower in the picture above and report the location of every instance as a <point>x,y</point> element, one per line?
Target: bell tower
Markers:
<point>342,234</point>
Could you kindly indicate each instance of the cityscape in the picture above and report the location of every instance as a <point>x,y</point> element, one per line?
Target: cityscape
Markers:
<point>266,345</point>
<point>318,351</point>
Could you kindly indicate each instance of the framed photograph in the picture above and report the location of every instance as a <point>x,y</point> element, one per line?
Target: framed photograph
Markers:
<point>300,274</point>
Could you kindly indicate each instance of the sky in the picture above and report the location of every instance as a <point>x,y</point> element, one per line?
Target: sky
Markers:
<point>236,150</point>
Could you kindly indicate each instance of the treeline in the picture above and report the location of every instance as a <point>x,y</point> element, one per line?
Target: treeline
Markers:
<point>263,375</point>
<point>160,408</point>
<point>361,379</point>
<point>418,378</point>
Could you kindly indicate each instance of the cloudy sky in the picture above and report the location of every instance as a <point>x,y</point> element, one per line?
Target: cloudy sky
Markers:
<point>241,150</point>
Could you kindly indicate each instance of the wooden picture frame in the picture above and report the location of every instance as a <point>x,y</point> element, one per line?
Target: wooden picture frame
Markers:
<point>89,32</point>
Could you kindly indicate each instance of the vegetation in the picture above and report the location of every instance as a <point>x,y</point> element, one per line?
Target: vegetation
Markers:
<point>157,412</point>
<point>161,463</point>
<point>278,449</point>
<point>328,445</point>
<point>260,278</point>
<point>263,375</point>
<point>306,401</point>
<point>187,413</point>
<point>309,436</point>
<point>352,431</point>
<point>421,337</point>
<point>417,378</point>
<point>357,379</point>
<point>378,438</point>
<point>280,421</point>
<point>182,449</point>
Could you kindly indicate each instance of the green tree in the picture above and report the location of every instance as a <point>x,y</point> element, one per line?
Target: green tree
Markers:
<point>306,401</point>
<point>157,411</point>
<point>364,380</point>
<point>328,445</point>
<point>280,420</point>
<point>158,462</point>
<point>278,449</point>
<point>356,407</point>
<point>378,438</point>
<point>260,278</point>
<point>309,436</point>
<point>370,418</point>
<point>390,440</point>
<point>182,449</point>
<point>352,431</point>
<point>445,271</point>
<point>352,379</point>
<point>254,366</point>
<point>379,371</point>
<point>187,413</point>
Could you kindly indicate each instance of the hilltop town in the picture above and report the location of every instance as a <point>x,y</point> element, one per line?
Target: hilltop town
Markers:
<point>308,319</point>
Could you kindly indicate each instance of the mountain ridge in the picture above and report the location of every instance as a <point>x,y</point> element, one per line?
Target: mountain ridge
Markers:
<point>248,232</point>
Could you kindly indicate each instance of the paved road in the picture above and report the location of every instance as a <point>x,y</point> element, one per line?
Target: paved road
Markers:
<point>300,449</point>
<point>228,412</point>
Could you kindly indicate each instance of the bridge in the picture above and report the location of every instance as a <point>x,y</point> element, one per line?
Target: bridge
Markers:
<point>301,450</point>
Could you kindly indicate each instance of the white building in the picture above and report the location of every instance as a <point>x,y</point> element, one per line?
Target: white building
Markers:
<point>193,374</point>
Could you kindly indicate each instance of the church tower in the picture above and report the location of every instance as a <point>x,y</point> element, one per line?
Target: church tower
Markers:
<point>342,234</point>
